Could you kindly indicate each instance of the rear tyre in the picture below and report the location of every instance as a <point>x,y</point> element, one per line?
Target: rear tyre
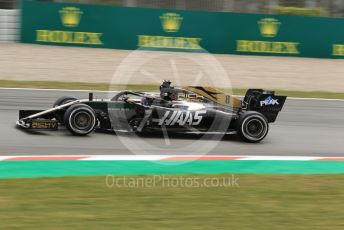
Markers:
<point>80,119</point>
<point>252,127</point>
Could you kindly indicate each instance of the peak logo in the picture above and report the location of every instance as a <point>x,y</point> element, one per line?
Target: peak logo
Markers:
<point>182,118</point>
<point>269,101</point>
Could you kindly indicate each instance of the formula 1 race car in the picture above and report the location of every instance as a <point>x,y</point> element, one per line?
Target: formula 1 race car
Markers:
<point>192,109</point>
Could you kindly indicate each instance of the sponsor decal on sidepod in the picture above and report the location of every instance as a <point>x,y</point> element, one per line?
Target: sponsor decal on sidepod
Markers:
<point>182,118</point>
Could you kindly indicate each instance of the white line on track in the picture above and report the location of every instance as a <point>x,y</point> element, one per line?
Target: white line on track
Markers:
<point>106,91</point>
<point>61,90</point>
<point>166,158</point>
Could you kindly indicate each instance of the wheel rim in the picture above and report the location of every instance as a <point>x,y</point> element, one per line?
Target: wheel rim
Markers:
<point>255,129</point>
<point>82,120</point>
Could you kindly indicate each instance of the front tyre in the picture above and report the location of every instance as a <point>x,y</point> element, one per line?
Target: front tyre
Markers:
<point>61,101</point>
<point>80,119</point>
<point>252,127</point>
<point>64,100</point>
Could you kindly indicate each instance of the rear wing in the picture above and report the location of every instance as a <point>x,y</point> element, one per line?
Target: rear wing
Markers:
<point>265,102</point>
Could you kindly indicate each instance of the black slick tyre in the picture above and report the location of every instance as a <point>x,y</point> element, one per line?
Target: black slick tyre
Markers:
<point>64,100</point>
<point>80,119</point>
<point>61,101</point>
<point>252,126</point>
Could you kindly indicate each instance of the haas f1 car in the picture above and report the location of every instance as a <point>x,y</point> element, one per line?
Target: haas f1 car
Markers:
<point>191,109</point>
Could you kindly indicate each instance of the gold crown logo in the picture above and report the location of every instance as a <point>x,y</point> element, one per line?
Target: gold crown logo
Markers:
<point>171,22</point>
<point>70,16</point>
<point>269,27</point>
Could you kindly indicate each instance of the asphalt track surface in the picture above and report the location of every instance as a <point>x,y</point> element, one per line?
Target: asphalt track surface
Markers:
<point>304,128</point>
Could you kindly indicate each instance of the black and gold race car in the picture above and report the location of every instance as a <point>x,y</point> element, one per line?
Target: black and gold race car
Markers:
<point>192,109</point>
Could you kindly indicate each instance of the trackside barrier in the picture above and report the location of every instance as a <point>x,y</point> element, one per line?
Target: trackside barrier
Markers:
<point>176,30</point>
<point>9,25</point>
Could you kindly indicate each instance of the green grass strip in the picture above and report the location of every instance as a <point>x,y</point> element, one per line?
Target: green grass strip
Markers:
<point>30,169</point>
<point>260,202</point>
<point>104,86</point>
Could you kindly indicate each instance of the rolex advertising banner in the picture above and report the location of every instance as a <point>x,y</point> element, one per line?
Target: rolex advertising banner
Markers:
<point>176,30</point>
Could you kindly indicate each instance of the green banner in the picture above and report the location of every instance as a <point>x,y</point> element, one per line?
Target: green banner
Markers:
<point>176,30</point>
